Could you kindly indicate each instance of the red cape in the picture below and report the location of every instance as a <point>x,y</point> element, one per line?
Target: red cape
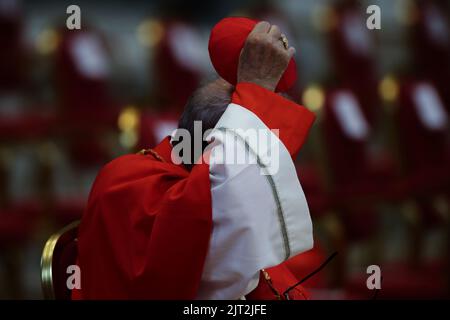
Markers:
<point>146,229</point>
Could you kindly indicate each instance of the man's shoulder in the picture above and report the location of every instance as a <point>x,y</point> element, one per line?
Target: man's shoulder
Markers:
<point>135,165</point>
<point>127,160</point>
<point>133,175</point>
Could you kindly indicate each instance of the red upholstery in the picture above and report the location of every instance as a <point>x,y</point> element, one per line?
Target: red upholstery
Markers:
<point>431,48</point>
<point>358,181</point>
<point>66,211</point>
<point>354,67</point>
<point>12,56</point>
<point>17,223</point>
<point>80,90</point>
<point>421,147</point>
<point>347,157</point>
<point>354,173</point>
<point>425,152</point>
<point>174,81</point>
<point>30,125</point>
<point>319,201</point>
<point>87,109</point>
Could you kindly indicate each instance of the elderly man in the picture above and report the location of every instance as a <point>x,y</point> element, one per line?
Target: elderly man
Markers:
<point>174,222</point>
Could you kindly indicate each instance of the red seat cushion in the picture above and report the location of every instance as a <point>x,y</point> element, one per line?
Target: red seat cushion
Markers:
<point>17,223</point>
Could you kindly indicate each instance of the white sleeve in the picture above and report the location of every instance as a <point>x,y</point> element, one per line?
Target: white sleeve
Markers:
<point>260,214</point>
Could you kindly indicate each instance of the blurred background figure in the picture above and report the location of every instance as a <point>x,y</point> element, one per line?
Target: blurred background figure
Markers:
<point>375,169</point>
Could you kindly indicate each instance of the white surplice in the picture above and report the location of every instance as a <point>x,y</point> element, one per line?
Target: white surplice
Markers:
<point>259,220</point>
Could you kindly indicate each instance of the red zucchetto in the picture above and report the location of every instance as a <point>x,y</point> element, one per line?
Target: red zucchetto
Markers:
<point>225,44</point>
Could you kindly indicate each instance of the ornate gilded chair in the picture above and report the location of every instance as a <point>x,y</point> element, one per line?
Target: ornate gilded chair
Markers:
<point>60,251</point>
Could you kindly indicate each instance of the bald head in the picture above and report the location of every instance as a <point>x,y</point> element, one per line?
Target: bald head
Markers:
<point>207,104</point>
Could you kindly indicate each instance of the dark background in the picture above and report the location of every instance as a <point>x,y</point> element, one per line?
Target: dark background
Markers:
<point>376,179</point>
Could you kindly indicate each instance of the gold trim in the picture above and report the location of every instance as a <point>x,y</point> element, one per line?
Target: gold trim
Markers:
<point>270,284</point>
<point>152,152</point>
<point>47,259</point>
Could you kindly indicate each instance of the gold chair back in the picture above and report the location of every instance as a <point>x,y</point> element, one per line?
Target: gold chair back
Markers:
<point>59,252</point>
